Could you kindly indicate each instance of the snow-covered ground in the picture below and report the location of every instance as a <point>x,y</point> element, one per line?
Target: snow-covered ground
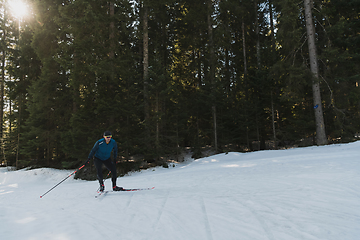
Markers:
<point>306,193</point>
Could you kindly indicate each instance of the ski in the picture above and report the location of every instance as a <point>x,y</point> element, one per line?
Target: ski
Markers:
<point>135,189</point>
<point>123,190</point>
<point>99,193</point>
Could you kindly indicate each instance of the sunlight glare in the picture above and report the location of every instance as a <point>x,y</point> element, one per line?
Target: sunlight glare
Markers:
<point>18,8</point>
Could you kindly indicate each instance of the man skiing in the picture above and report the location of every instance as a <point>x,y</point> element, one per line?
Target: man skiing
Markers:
<point>102,151</point>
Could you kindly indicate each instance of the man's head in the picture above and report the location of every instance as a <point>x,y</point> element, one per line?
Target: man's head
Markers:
<point>107,136</point>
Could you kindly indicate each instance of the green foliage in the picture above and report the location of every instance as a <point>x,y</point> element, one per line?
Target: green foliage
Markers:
<point>77,70</point>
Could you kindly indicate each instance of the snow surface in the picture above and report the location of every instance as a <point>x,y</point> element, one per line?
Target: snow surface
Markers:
<point>305,193</point>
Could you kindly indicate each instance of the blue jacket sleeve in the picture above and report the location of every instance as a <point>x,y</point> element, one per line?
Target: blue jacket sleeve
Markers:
<point>93,150</point>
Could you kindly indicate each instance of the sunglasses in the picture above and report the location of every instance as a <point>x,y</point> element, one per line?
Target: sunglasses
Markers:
<point>110,136</point>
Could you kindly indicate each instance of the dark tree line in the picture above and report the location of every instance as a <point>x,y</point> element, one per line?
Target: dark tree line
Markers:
<point>164,75</point>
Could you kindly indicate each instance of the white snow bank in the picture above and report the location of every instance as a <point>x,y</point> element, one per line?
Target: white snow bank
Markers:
<point>305,193</point>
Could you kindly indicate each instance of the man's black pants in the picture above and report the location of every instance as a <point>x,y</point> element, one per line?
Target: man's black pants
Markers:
<point>109,165</point>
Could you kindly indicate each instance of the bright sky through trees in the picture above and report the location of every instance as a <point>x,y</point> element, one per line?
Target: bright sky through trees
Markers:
<point>18,8</point>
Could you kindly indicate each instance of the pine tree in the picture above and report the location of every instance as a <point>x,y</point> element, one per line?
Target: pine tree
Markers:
<point>339,60</point>
<point>47,101</point>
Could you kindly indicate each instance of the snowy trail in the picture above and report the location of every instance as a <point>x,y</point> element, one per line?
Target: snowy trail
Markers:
<point>307,193</point>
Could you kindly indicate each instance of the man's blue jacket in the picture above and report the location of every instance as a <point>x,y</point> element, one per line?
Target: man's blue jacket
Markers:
<point>102,150</point>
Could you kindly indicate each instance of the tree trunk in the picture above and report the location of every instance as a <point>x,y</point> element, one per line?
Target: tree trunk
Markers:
<point>157,134</point>
<point>245,80</point>
<point>112,27</point>
<point>212,71</point>
<point>257,31</point>
<point>273,120</point>
<point>319,118</point>
<point>244,49</point>
<point>273,50</point>
<point>146,72</point>
<point>2,84</point>
<point>111,118</point>
<point>2,87</point>
<point>272,28</point>
<point>18,134</point>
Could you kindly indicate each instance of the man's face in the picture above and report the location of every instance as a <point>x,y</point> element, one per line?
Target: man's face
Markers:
<point>107,138</point>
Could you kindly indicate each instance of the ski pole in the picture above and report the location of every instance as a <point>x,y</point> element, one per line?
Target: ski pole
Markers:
<point>63,180</point>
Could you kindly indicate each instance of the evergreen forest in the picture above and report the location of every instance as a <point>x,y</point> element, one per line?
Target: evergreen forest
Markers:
<point>166,76</point>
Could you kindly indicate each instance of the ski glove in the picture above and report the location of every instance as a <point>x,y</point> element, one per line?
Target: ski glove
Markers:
<point>87,161</point>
